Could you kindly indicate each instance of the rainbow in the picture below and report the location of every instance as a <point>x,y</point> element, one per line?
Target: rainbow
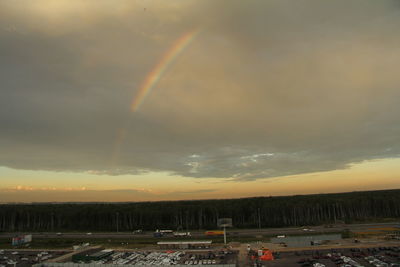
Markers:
<point>159,69</point>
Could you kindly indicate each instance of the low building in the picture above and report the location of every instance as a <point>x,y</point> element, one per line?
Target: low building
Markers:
<point>85,257</point>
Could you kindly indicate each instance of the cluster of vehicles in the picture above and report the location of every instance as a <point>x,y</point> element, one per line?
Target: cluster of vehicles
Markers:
<point>4,260</point>
<point>153,258</point>
<point>344,261</point>
<point>200,262</point>
<point>22,258</point>
<point>161,233</point>
<point>156,258</point>
<point>142,258</point>
<point>166,233</point>
<point>357,258</point>
<point>206,258</point>
<point>391,257</point>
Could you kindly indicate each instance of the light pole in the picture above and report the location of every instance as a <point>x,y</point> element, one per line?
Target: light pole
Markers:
<point>224,235</point>
<point>225,222</point>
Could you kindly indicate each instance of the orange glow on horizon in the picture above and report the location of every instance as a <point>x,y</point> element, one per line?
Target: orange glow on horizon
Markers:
<point>52,186</point>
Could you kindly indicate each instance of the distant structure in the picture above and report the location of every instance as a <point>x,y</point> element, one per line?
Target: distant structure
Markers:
<point>21,240</point>
<point>223,223</point>
<point>185,244</point>
<point>96,256</point>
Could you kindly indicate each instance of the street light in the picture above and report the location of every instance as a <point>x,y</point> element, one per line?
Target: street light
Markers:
<point>225,222</point>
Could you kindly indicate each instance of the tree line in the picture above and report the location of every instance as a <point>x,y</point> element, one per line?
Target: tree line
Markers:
<point>257,212</point>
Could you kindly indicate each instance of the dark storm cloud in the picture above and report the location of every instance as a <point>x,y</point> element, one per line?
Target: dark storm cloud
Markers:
<point>269,88</point>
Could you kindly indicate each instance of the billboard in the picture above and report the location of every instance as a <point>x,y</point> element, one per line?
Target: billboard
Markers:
<point>225,222</point>
<point>21,240</point>
<point>28,238</point>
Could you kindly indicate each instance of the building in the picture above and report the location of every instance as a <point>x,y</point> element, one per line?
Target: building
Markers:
<point>84,257</point>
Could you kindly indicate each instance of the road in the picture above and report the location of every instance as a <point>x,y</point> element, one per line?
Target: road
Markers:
<point>234,232</point>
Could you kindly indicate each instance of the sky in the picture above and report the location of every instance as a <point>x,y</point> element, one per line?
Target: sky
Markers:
<point>148,100</point>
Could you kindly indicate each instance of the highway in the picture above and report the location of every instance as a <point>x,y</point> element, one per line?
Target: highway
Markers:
<point>200,234</point>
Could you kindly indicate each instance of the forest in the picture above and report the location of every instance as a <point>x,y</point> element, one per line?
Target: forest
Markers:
<point>257,212</point>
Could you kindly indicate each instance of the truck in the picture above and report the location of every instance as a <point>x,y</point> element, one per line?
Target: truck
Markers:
<point>165,231</point>
<point>158,234</point>
<point>214,233</point>
<point>181,234</point>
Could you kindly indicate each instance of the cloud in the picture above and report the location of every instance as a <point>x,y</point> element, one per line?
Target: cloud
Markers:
<point>58,194</point>
<point>269,88</point>
<point>199,191</point>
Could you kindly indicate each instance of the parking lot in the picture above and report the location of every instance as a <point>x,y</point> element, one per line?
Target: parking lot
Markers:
<point>26,258</point>
<point>367,257</point>
<point>211,257</point>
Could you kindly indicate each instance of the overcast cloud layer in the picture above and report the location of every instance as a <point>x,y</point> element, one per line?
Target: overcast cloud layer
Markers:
<point>268,88</point>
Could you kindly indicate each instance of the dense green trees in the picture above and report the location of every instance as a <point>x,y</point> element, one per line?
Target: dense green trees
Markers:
<point>202,214</point>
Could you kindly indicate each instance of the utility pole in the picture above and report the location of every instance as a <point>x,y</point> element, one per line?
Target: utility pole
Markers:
<point>259,218</point>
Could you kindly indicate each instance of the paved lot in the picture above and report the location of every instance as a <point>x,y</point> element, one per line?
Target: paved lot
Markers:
<point>23,258</point>
<point>171,257</point>
<point>368,257</point>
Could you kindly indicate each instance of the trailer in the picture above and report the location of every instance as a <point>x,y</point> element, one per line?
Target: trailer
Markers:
<point>182,234</point>
<point>214,233</point>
